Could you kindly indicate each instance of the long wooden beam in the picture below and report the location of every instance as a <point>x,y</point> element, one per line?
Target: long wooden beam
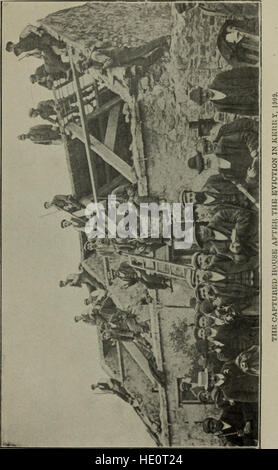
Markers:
<point>107,155</point>
<point>86,135</point>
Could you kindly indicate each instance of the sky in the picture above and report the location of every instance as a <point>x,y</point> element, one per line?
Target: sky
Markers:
<point>48,361</point>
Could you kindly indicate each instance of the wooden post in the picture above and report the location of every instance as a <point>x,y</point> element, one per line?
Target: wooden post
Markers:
<point>86,139</point>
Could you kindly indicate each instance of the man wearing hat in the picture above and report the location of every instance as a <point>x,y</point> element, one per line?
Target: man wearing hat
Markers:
<point>238,42</point>
<point>64,202</point>
<point>34,38</point>
<point>226,293</point>
<point>45,110</point>
<point>233,154</point>
<point>244,273</point>
<point>234,91</point>
<point>216,192</point>
<point>237,425</point>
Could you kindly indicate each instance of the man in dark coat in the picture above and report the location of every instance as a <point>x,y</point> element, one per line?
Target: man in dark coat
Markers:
<point>44,134</point>
<point>145,55</point>
<point>217,191</point>
<point>231,339</point>
<point>233,152</point>
<point>64,202</point>
<point>234,91</point>
<point>237,426</point>
<point>45,110</point>
<point>230,230</point>
<point>221,263</point>
<point>237,386</point>
<point>33,38</point>
<point>238,42</point>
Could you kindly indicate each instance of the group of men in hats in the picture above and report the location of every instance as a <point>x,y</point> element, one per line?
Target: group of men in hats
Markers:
<point>225,268</point>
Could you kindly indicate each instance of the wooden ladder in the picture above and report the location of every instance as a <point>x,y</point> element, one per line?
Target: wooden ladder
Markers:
<point>165,268</point>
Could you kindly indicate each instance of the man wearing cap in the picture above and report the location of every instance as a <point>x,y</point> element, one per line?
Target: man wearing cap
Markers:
<point>43,134</point>
<point>45,110</point>
<point>234,91</point>
<point>237,425</point>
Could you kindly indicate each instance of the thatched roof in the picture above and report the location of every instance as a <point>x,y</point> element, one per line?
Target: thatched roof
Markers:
<point>124,24</point>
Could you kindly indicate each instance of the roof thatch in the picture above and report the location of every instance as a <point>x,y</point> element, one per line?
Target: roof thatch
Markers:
<point>124,24</point>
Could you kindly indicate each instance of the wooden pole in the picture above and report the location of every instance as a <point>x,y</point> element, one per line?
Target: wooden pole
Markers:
<point>86,140</point>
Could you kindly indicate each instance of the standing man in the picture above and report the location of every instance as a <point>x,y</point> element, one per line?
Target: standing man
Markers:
<point>34,38</point>
<point>45,110</point>
<point>234,91</point>
<point>43,134</point>
<point>64,202</point>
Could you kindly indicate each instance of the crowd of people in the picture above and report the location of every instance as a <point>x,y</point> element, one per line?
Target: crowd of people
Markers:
<point>226,277</point>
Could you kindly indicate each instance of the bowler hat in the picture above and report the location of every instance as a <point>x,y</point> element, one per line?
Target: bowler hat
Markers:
<point>196,162</point>
<point>206,425</point>
<point>194,260</point>
<point>197,235</point>
<point>196,95</point>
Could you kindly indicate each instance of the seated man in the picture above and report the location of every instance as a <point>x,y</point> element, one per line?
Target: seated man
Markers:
<point>230,231</point>
<point>234,91</point>
<point>233,150</point>
<point>230,339</point>
<point>108,56</point>
<point>238,42</point>
<point>216,192</point>
<point>43,134</point>
<point>236,386</point>
<point>238,425</point>
<point>249,361</point>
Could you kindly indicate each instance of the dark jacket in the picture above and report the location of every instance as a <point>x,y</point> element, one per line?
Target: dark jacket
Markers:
<point>224,192</point>
<point>245,224</point>
<point>235,142</point>
<point>240,54</point>
<point>236,337</point>
<point>43,134</point>
<point>237,416</point>
<point>241,87</point>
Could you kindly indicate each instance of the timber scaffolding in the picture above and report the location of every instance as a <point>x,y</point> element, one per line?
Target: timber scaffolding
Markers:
<point>104,146</point>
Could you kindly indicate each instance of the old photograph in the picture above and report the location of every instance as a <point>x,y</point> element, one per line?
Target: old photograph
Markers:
<point>131,224</point>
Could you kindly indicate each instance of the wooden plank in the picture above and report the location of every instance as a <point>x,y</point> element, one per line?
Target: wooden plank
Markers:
<point>104,108</point>
<point>107,168</point>
<point>121,361</point>
<point>86,135</point>
<point>140,359</point>
<point>107,155</point>
<point>112,126</point>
